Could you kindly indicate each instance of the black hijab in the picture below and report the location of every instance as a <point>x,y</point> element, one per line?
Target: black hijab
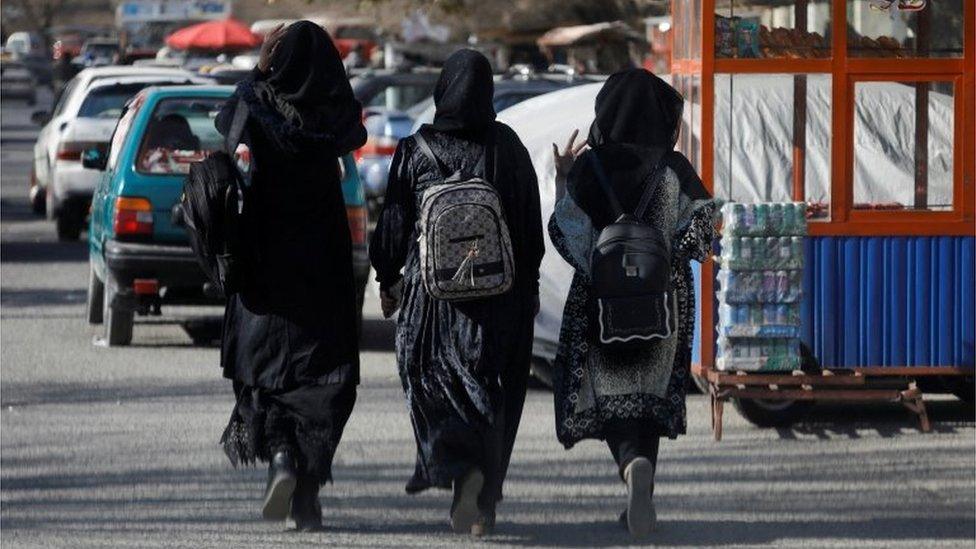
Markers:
<point>308,86</point>
<point>464,93</point>
<point>638,117</point>
<point>636,107</point>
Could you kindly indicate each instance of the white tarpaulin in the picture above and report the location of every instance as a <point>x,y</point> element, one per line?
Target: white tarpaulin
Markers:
<point>762,156</point>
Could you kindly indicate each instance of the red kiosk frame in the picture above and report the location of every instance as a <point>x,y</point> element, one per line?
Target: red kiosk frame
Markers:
<point>695,65</point>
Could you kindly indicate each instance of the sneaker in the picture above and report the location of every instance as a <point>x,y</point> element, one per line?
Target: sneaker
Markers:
<point>464,509</point>
<point>280,488</point>
<point>485,525</point>
<point>641,514</point>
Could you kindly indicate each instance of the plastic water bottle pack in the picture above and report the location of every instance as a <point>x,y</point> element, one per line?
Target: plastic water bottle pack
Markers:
<point>760,285</point>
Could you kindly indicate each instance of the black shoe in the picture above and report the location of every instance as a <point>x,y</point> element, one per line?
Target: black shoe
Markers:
<point>306,511</point>
<point>281,486</point>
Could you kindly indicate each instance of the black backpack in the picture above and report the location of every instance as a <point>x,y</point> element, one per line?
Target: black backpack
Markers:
<point>211,209</point>
<point>630,271</point>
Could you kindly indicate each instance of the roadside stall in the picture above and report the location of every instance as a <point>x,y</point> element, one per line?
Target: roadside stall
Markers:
<point>872,129</point>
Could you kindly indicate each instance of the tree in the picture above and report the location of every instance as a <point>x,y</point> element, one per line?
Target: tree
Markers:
<point>39,15</point>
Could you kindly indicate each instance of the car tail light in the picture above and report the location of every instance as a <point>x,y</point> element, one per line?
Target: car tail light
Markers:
<point>71,150</point>
<point>145,286</point>
<point>357,223</point>
<point>133,216</point>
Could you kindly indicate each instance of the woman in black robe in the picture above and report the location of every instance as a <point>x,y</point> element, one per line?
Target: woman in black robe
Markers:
<point>628,398</point>
<point>464,365</point>
<point>290,333</point>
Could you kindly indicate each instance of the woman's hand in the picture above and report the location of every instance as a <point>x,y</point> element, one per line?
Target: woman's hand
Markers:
<point>267,48</point>
<point>390,299</point>
<point>564,160</point>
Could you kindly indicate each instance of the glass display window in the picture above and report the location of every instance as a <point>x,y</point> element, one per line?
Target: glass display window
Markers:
<point>905,28</point>
<point>762,29</point>
<point>903,145</point>
<point>772,138</point>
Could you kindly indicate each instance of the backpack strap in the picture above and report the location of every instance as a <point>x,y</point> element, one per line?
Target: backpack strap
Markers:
<point>648,193</point>
<point>237,125</point>
<point>428,152</point>
<point>601,176</point>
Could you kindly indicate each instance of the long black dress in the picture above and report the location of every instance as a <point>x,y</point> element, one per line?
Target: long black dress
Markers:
<point>290,335</point>
<point>463,365</point>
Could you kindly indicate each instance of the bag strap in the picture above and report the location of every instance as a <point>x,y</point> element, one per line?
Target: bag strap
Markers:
<point>489,160</point>
<point>428,152</point>
<point>652,185</point>
<point>601,176</point>
<point>237,125</point>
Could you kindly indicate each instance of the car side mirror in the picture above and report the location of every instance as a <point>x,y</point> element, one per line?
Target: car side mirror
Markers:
<point>40,117</point>
<point>93,159</point>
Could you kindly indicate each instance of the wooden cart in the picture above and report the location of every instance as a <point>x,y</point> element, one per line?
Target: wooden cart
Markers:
<point>888,296</point>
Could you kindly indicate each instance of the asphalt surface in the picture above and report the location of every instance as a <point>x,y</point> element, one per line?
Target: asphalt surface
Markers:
<point>118,447</point>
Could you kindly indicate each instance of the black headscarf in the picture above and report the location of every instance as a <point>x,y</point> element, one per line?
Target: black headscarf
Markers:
<point>308,86</point>
<point>636,107</point>
<point>464,92</point>
<point>638,117</point>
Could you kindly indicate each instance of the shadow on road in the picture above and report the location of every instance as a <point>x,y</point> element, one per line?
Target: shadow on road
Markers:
<point>222,496</point>
<point>43,252</point>
<point>34,297</point>
<point>830,420</point>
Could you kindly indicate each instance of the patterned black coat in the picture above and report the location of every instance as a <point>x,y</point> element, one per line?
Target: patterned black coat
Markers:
<point>591,385</point>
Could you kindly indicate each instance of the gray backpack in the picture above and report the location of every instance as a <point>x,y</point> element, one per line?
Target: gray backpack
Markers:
<point>465,247</point>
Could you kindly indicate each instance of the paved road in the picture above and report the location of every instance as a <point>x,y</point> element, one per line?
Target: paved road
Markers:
<point>117,447</point>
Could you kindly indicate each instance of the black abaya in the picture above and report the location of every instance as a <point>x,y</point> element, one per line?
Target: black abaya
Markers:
<point>463,365</point>
<point>290,334</point>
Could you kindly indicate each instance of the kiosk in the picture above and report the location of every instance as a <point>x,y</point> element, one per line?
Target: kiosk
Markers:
<point>881,146</point>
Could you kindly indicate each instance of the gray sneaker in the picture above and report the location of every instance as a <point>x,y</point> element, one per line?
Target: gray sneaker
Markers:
<point>464,509</point>
<point>641,515</point>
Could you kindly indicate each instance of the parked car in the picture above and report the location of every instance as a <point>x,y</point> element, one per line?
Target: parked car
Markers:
<point>98,52</point>
<point>140,257</point>
<point>17,82</point>
<point>84,116</point>
<point>386,96</point>
<point>387,128</point>
<point>24,44</point>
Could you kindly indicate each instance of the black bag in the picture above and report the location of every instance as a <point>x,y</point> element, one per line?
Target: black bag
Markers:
<point>211,208</point>
<point>630,270</point>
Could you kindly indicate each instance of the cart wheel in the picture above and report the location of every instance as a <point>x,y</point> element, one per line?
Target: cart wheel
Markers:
<point>772,413</point>
<point>700,383</point>
<point>964,388</point>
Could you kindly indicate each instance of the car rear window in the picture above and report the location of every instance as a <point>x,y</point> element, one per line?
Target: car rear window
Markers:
<point>180,132</point>
<point>108,101</point>
<point>401,97</point>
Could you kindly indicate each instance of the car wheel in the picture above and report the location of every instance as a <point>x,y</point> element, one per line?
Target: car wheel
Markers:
<point>772,413</point>
<point>540,371</point>
<point>96,297</point>
<point>49,206</point>
<point>38,199</point>
<point>119,315</point>
<point>68,226</point>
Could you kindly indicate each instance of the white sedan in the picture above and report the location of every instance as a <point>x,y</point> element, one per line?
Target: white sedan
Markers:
<point>84,117</point>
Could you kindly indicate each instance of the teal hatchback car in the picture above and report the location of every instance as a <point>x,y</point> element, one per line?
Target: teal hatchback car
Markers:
<point>140,258</point>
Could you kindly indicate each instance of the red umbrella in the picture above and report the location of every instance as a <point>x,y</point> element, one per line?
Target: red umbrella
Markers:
<point>228,34</point>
